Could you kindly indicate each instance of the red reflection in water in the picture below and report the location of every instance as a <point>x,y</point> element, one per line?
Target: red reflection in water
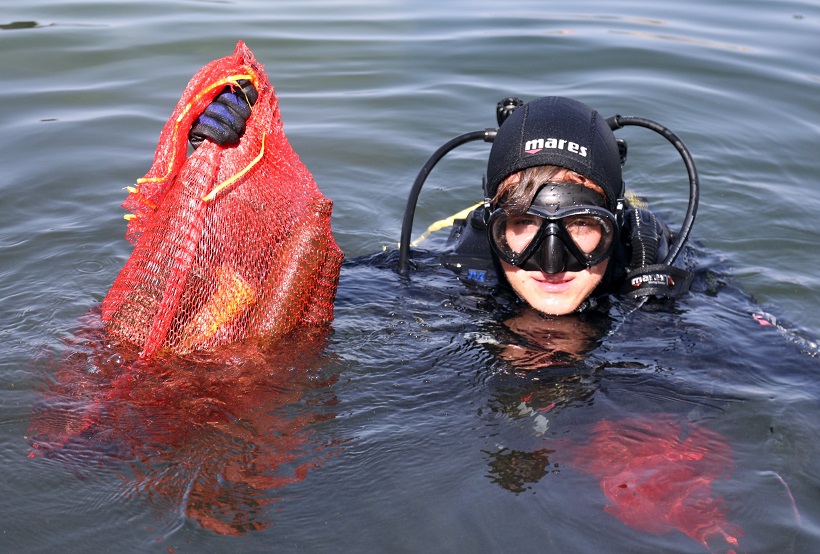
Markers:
<point>658,476</point>
<point>210,437</point>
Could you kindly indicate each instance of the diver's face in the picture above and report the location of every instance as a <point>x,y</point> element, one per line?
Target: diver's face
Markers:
<point>556,293</point>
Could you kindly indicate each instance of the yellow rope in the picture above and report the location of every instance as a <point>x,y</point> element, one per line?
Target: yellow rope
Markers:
<point>233,80</point>
<point>227,182</point>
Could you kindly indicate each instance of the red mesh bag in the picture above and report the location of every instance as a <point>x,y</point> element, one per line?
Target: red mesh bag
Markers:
<point>231,242</point>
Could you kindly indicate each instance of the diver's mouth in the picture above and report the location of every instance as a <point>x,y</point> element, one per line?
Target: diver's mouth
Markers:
<point>553,283</point>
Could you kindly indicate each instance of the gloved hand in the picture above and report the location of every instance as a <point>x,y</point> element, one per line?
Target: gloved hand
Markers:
<point>223,121</point>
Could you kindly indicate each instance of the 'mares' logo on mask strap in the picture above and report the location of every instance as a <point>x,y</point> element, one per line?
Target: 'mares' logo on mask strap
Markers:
<point>536,145</point>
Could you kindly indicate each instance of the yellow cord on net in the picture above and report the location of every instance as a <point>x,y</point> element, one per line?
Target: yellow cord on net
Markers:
<point>231,80</point>
<point>230,180</point>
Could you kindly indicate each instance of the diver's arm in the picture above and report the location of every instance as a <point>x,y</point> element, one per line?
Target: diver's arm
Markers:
<point>223,121</point>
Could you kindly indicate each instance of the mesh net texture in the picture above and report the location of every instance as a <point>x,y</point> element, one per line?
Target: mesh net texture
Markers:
<point>230,242</point>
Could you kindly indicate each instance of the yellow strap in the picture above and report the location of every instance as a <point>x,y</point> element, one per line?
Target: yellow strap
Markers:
<point>447,222</point>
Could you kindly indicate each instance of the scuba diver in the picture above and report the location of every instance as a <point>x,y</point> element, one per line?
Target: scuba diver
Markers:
<point>556,225</point>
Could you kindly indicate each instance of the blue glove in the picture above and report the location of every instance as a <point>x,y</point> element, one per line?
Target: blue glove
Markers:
<point>223,121</point>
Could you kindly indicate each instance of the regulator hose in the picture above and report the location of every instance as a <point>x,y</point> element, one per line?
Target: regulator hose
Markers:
<point>617,122</point>
<point>487,135</point>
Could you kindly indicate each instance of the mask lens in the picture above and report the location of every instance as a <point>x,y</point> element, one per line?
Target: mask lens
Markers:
<point>592,234</point>
<point>515,237</point>
<point>514,233</point>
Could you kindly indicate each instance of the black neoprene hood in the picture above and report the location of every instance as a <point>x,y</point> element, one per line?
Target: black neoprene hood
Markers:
<point>557,131</point>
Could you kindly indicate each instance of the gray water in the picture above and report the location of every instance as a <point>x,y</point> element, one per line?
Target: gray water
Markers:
<point>415,427</point>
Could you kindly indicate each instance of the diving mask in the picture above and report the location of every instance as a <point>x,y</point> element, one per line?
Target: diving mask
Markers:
<point>566,228</point>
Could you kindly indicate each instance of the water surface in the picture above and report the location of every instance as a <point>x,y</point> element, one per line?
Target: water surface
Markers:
<point>416,427</point>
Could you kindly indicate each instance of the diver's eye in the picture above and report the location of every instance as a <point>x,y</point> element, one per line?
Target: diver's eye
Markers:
<point>520,230</point>
<point>583,224</point>
<point>588,232</point>
<point>523,223</point>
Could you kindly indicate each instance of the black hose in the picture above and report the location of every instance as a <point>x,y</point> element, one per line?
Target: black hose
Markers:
<point>616,122</point>
<point>486,135</point>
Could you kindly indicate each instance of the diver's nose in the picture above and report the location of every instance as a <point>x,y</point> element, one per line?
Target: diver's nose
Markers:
<point>553,255</point>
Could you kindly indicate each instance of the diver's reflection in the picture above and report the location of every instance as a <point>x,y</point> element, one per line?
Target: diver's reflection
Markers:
<point>655,470</point>
<point>542,363</point>
<point>211,437</point>
<point>532,341</point>
<point>542,370</point>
